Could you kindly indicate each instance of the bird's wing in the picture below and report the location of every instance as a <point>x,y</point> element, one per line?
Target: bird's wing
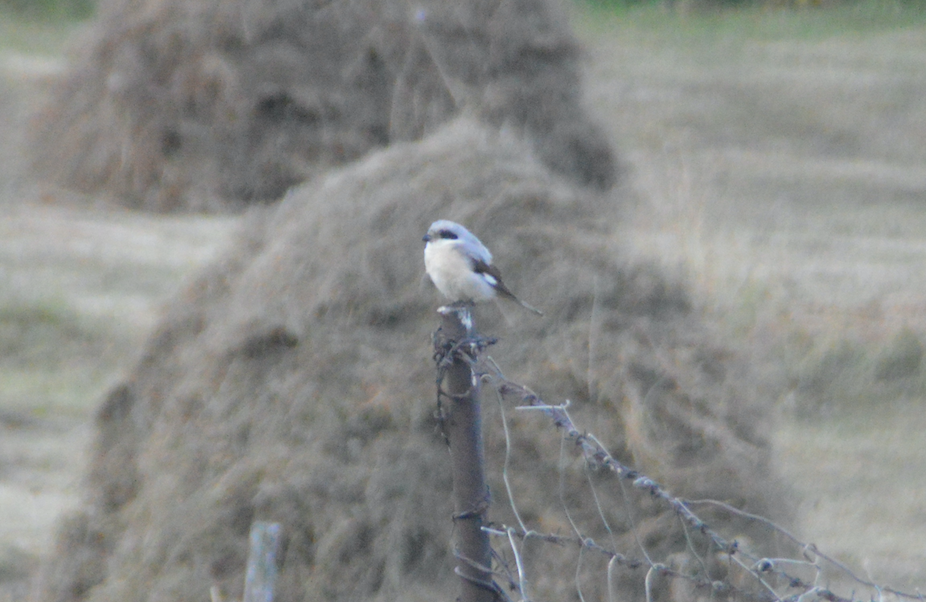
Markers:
<point>494,277</point>
<point>491,274</point>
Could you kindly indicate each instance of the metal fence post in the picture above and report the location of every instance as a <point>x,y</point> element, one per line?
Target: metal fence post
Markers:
<point>462,423</point>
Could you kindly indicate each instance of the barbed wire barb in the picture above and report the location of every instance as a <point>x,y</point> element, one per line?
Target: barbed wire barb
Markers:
<point>562,488</point>
<point>633,523</point>
<point>735,558</point>
<point>690,545</point>
<point>604,519</point>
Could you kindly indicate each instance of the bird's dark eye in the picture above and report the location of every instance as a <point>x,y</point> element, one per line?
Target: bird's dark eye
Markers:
<point>447,234</point>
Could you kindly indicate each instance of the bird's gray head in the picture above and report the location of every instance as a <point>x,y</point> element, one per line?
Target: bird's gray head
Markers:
<point>454,233</point>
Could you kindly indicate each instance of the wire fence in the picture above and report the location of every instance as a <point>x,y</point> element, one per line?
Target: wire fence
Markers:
<point>707,564</point>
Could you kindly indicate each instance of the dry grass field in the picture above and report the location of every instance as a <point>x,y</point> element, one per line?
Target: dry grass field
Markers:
<point>780,162</point>
<point>80,287</point>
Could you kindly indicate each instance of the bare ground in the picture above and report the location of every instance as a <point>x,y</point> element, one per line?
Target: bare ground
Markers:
<point>783,170</point>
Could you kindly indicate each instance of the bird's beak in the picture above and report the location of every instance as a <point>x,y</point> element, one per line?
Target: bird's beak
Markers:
<point>426,238</point>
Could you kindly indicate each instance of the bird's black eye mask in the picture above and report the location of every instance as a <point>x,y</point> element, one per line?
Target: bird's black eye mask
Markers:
<point>447,234</point>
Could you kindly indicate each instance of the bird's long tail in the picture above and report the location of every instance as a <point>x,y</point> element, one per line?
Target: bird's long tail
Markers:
<point>530,307</point>
<point>503,290</point>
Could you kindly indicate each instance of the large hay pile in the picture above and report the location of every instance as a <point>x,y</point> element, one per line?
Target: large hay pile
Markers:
<point>214,104</point>
<point>292,382</point>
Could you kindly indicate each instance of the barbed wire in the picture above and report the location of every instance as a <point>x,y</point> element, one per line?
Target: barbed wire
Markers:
<point>769,576</point>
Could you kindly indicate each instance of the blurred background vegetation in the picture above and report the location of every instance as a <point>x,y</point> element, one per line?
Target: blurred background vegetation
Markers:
<point>49,9</point>
<point>817,91</point>
<point>82,9</point>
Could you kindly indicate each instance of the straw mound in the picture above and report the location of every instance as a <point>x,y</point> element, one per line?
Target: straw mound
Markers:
<point>292,381</point>
<point>215,104</point>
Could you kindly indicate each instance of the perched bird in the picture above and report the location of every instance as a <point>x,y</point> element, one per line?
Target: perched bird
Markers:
<point>460,266</point>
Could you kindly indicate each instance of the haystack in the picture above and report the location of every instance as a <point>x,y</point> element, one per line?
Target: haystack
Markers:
<point>292,381</point>
<point>216,104</point>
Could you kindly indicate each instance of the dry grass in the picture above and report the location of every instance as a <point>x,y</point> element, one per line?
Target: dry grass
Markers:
<point>298,355</point>
<point>215,105</point>
<point>779,162</point>
<point>79,291</point>
<point>74,310</point>
<point>864,496</point>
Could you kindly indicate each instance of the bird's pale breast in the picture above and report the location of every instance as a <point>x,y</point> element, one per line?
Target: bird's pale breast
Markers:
<point>452,274</point>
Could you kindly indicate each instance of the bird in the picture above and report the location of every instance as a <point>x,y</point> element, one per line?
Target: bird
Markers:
<point>460,266</point>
